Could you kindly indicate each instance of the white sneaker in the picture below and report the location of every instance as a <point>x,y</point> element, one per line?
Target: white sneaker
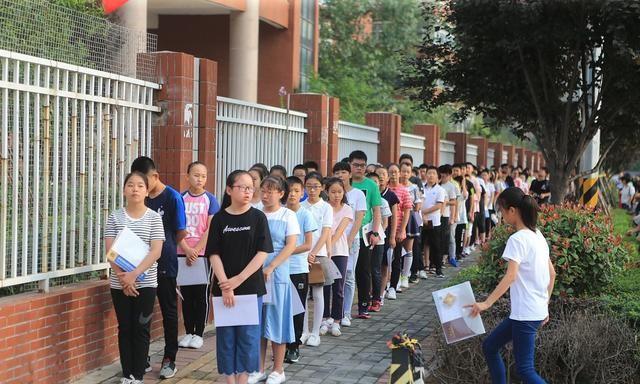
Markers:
<point>304,337</point>
<point>313,341</point>
<point>135,381</point>
<point>186,340</point>
<point>398,288</point>
<point>196,342</point>
<point>422,275</point>
<point>324,328</point>
<point>276,378</point>
<point>404,282</point>
<point>124,380</point>
<point>391,295</point>
<point>257,377</point>
<point>382,301</point>
<point>335,330</point>
<point>345,322</point>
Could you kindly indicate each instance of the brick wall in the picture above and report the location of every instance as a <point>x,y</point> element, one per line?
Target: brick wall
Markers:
<point>57,336</point>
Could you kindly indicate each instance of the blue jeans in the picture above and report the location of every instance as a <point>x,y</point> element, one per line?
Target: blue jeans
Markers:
<point>523,335</point>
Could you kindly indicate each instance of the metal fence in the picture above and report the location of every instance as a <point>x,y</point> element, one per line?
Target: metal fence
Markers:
<point>67,136</point>
<point>491,157</point>
<point>447,152</point>
<point>42,29</point>
<point>472,153</point>
<point>353,136</point>
<point>413,145</point>
<point>248,133</point>
<point>516,160</point>
<point>505,157</point>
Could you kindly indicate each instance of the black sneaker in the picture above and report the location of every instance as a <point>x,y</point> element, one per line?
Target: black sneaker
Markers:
<point>291,356</point>
<point>168,369</point>
<point>413,279</point>
<point>147,367</point>
<point>439,275</point>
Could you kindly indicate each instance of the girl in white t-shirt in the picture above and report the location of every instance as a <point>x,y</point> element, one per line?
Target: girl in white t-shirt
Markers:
<point>530,277</point>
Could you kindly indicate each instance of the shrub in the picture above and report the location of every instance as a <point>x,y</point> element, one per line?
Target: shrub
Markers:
<point>581,344</point>
<point>583,247</point>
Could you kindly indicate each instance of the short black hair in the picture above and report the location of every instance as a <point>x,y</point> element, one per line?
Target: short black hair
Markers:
<point>373,174</point>
<point>345,160</point>
<point>300,166</point>
<point>423,166</point>
<point>430,167</point>
<point>456,165</point>
<point>310,164</point>
<point>341,166</point>
<point>544,169</point>
<point>193,164</point>
<point>406,156</point>
<point>279,168</point>
<point>143,164</point>
<point>357,154</point>
<point>445,169</point>
<point>262,167</point>
<point>291,180</point>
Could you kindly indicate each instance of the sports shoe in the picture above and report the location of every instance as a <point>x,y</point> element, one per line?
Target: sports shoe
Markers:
<point>325,325</point>
<point>257,377</point>
<point>391,295</point>
<point>453,262</point>
<point>125,380</point>
<point>335,330</point>
<point>439,275</point>
<point>363,314</point>
<point>276,378</point>
<point>304,337</point>
<point>168,369</point>
<point>292,356</point>
<point>196,342</point>
<point>382,301</point>
<point>313,341</point>
<point>147,368</point>
<point>345,322</point>
<point>133,380</point>
<point>375,306</point>
<point>186,340</point>
<point>413,279</point>
<point>399,288</point>
<point>404,281</point>
<point>422,275</point>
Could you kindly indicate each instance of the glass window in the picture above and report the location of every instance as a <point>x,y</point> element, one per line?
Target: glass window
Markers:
<point>307,28</point>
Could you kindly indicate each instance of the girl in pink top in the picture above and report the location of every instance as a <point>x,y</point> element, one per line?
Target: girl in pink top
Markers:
<point>200,206</point>
<point>404,212</point>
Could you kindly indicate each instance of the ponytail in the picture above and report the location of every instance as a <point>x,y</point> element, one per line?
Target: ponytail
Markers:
<point>526,205</point>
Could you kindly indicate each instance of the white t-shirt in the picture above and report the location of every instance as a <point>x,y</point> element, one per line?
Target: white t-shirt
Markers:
<point>491,192</point>
<point>358,203</point>
<point>323,213</point>
<point>627,194</point>
<point>450,189</point>
<point>529,295</point>
<point>432,196</point>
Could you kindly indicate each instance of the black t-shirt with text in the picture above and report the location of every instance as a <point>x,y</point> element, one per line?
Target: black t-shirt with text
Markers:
<point>539,187</point>
<point>237,239</point>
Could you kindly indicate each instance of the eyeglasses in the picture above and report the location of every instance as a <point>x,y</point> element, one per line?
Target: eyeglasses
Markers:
<point>244,188</point>
<point>359,165</point>
<point>314,187</point>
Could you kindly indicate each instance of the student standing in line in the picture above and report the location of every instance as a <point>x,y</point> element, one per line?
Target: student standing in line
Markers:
<point>376,257</point>
<point>358,204</point>
<point>238,244</point>
<point>300,172</point>
<point>390,233</point>
<point>278,171</point>
<point>299,261</point>
<point>342,217</point>
<point>199,207</point>
<point>133,299</point>
<point>434,199</point>
<point>404,212</point>
<point>530,279</point>
<point>448,218</point>
<point>257,175</point>
<point>169,204</point>
<point>413,227</point>
<point>323,215</point>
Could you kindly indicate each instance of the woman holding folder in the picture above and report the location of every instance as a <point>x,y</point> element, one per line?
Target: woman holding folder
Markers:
<point>133,293</point>
<point>238,244</point>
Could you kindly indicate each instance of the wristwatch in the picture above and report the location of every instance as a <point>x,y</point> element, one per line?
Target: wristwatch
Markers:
<point>376,234</point>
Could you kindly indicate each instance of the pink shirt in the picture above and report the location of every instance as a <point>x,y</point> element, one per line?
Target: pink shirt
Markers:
<point>198,209</point>
<point>341,247</point>
<point>405,202</point>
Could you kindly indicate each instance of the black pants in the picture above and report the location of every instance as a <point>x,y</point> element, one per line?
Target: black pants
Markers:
<point>417,264</point>
<point>396,266</point>
<point>433,239</point>
<point>134,329</point>
<point>168,299</point>
<point>363,275</point>
<point>194,308</point>
<point>446,235</point>
<point>301,282</point>
<point>461,229</point>
<point>376,277</point>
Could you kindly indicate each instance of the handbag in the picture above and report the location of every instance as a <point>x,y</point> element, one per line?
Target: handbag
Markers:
<point>316,274</point>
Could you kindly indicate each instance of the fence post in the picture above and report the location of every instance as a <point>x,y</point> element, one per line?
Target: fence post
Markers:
<point>334,118</point>
<point>431,133</point>
<point>207,129</point>
<point>511,154</point>
<point>461,140</point>
<point>389,125</point>
<point>521,157</point>
<point>497,154</point>
<point>316,141</point>
<point>483,146</point>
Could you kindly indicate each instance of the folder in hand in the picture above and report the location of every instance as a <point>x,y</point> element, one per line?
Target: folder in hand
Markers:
<point>128,251</point>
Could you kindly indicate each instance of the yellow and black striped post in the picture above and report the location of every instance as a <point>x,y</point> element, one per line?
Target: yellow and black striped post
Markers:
<point>589,191</point>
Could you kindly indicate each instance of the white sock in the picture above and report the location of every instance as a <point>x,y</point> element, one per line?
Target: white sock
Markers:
<point>406,266</point>
<point>305,322</point>
<point>318,307</point>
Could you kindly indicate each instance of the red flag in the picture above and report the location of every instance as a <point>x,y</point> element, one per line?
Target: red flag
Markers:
<point>111,5</point>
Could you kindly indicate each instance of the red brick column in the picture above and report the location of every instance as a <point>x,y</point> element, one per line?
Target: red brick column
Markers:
<point>389,135</point>
<point>497,154</point>
<point>461,139</point>
<point>521,156</point>
<point>511,154</point>
<point>431,133</point>
<point>483,145</point>
<point>334,118</point>
<point>316,141</point>
<point>207,118</point>
<point>172,148</point>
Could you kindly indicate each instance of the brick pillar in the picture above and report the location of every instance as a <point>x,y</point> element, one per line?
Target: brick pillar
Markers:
<point>521,156</point>
<point>334,118</point>
<point>172,148</point>
<point>511,154</point>
<point>528,155</point>
<point>207,118</point>
<point>461,139</point>
<point>431,133</point>
<point>389,136</point>
<point>483,145</point>
<point>497,154</point>
<point>316,141</point>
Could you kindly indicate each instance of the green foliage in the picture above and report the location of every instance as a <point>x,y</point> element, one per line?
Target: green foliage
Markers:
<point>587,256</point>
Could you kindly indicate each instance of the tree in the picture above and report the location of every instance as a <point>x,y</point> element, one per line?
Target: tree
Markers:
<point>556,70</point>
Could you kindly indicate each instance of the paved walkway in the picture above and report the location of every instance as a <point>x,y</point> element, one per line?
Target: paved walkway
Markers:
<point>360,355</point>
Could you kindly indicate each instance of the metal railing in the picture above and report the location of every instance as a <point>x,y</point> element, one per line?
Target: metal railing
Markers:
<point>67,135</point>
<point>516,160</point>
<point>491,157</point>
<point>472,153</point>
<point>447,152</point>
<point>413,145</point>
<point>505,157</point>
<point>353,136</point>
<point>249,133</point>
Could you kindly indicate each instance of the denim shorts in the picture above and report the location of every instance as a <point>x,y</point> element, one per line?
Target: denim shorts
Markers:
<point>238,348</point>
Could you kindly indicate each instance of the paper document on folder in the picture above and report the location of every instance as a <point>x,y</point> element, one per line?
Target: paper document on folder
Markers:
<point>244,311</point>
<point>128,251</point>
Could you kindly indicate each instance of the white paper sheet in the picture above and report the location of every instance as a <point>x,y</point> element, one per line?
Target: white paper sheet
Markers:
<point>193,274</point>
<point>456,322</point>
<point>244,312</point>
<point>296,304</point>
<point>267,298</point>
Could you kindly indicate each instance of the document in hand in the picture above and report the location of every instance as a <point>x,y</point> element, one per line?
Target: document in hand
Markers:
<point>128,251</point>
<point>456,322</point>
<point>194,274</point>
<point>244,312</point>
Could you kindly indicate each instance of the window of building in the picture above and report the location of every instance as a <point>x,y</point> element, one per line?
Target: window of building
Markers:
<point>307,29</point>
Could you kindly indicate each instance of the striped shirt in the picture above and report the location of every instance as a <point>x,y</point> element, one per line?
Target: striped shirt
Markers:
<point>148,227</point>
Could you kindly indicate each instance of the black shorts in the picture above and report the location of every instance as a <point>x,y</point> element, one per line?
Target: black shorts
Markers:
<point>479,222</point>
